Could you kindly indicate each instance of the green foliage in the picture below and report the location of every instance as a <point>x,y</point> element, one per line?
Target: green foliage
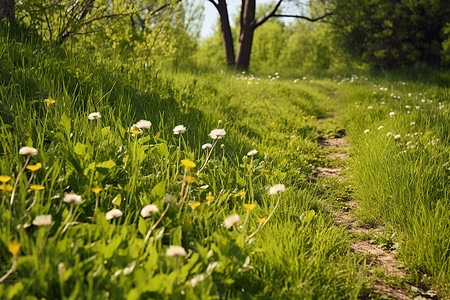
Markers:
<point>390,34</point>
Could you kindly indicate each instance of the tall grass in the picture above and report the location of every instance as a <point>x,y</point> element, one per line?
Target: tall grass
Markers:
<point>81,254</point>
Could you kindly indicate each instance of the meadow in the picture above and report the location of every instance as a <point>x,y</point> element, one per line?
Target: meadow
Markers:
<point>127,179</point>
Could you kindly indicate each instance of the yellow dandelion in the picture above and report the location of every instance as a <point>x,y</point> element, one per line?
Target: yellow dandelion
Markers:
<point>5,178</point>
<point>37,187</point>
<point>14,247</point>
<point>97,190</point>
<point>188,164</point>
<point>249,206</point>
<point>136,132</point>
<point>35,167</point>
<point>190,179</point>
<point>312,117</point>
<point>6,187</point>
<point>194,205</point>
<point>261,220</point>
<point>242,194</point>
<point>209,198</point>
<point>304,117</point>
<point>49,101</point>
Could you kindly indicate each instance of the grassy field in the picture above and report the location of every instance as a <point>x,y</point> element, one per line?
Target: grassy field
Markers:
<point>224,221</point>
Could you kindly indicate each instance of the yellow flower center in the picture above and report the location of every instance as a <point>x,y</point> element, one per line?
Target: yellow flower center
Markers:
<point>35,167</point>
<point>188,164</point>
<point>49,101</point>
<point>261,220</point>
<point>136,132</point>
<point>249,206</point>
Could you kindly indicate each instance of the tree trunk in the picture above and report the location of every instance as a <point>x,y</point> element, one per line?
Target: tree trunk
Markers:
<point>248,26</point>
<point>7,11</point>
<point>226,32</point>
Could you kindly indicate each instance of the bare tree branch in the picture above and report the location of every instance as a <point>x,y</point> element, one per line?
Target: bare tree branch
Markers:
<point>216,5</point>
<point>270,15</point>
<point>303,17</point>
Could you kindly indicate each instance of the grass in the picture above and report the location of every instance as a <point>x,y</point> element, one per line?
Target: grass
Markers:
<point>298,253</point>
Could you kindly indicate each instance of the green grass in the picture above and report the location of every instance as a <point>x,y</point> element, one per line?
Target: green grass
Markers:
<point>298,253</point>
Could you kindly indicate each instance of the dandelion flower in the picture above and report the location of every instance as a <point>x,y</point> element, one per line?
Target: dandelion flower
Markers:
<point>6,187</point>
<point>72,198</point>
<point>176,251</point>
<point>277,188</point>
<point>249,206</point>
<point>392,114</point>
<point>194,205</point>
<point>170,199</point>
<point>179,129</point>
<point>369,107</point>
<point>380,127</point>
<point>148,210</point>
<point>217,133</point>
<point>412,123</point>
<point>367,130</point>
<point>190,179</point>
<point>209,198</point>
<point>135,131</point>
<point>5,178</point>
<point>261,220</point>
<point>252,152</point>
<point>42,220</point>
<point>94,115</point>
<point>397,136</point>
<point>231,220</point>
<point>37,187</point>
<point>14,247</point>
<point>35,167</point>
<point>113,213</point>
<point>143,124</point>
<point>28,151</point>
<point>207,145</point>
<point>49,101</point>
<point>97,190</point>
<point>188,164</point>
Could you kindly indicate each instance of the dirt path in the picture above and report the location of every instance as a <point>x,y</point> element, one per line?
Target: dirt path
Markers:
<point>378,259</point>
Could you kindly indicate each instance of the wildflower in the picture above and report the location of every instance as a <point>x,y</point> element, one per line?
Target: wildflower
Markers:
<point>28,151</point>
<point>35,167</point>
<point>5,178</point>
<point>249,206</point>
<point>49,101</point>
<point>231,220</point>
<point>114,213</point>
<point>389,133</point>
<point>188,164</point>
<point>380,127</point>
<point>209,198</point>
<point>369,107</point>
<point>97,190</point>
<point>72,198</point>
<point>135,131</point>
<point>261,220</point>
<point>217,133</point>
<point>94,115</point>
<point>6,187</point>
<point>367,130</point>
<point>190,179</point>
<point>277,188</point>
<point>14,247</point>
<point>252,152</point>
<point>194,205</point>
<point>176,251</point>
<point>397,136</point>
<point>170,199</point>
<point>392,114</point>
<point>42,220</point>
<point>143,124</point>
<point>179,129</point>
<point>148,210</point>
<point>37,187</point>
<point>412,123</point>
<point>207,145</point>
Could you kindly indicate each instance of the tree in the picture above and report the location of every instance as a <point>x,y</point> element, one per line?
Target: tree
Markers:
<point>390,34</point>
<point>248,24</point>
<point>7,11</point>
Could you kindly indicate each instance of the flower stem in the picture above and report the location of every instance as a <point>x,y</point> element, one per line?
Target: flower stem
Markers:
<point>207,156</point>
<point>96,207</point>
<point>156,223</point>
<point>17,179</point>
<point>13,267</point>
<point>183,185</point>
<point>34,201</point>
<point>246,218</point>
<point>267,220</point>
